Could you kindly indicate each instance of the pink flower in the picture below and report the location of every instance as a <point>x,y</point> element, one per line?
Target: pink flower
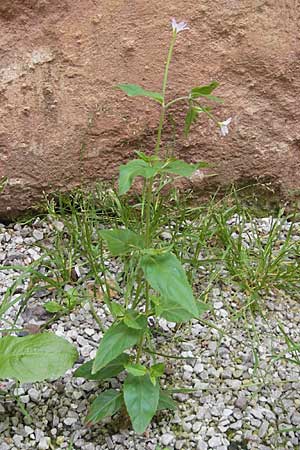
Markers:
<point>177,27</point>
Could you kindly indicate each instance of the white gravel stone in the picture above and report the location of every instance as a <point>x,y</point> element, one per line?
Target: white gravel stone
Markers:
<point>28,430</point>
<point>44,443</point>
<point>202,445</point>
<point>38,235</point>
<point>215,442</point>
<point>167,438</point>
<point>4,446</point>
<point>69,421</point>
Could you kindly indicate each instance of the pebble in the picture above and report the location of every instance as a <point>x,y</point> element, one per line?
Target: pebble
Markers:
<point>69,421</point>
<point>38,235</point>
<point>215,442</point>
<point>202,445</point>
<point>263,429</point>
<point>234,384</point>
<point>241,403</point>
<point>28,430</point>
<point>4,446</point>
<point>196,426</point>
<point>44,443</point>
<point>167,438</point>
<point>295,419</point>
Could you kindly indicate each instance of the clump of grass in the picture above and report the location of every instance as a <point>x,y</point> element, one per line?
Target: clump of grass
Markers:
<point>292,352</point>
<point>259,263</point>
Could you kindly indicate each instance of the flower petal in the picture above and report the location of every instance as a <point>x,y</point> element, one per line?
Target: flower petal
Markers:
<point>177,27</point>
<point>227,122</point>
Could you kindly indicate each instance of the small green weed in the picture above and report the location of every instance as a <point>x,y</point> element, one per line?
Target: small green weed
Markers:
<point>292,353</point>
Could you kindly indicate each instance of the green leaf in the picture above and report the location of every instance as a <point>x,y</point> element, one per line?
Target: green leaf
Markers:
<point>156,371</point>
<point>141,400</point>
<point>166,275</point>
<point>131,170</point>
<point>214,99</point>
<point>111,370</point>
<point>136,370</point>
<point>203,307</point>
<point>115,340</point>
<point>166,402</point>
<point>53,307</point>
<point>105,405</point>
<point>117,310</point>
<point>190,118</point>
<point>122,242</point>
<point>205,90</point>
<point>36,357</point>
<point>147,158</point>
<point>130,320</point>
<point>179,167</point>
<point>133,90</point>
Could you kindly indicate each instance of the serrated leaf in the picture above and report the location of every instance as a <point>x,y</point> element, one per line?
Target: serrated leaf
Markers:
<point>166,275</point>
<point>111,370</point>
<point>122,241</point>
<point>105,405</point>
<point>166,402</point>
<point>141,400</point>
<point>131,170</point>
<point>133,90</point>
<point>36,357</point>
<point>204,90</point>
<point>115,340</point>
<point>137,370</point>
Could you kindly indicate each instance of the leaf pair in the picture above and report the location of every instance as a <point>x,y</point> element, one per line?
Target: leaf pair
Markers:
<point>141,398</point>
<point>134,90</point>
<point>194,108</point>
<point>165,275</point>
<point>149,169</point>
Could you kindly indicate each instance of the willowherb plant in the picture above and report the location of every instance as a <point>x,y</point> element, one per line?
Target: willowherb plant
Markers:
<point>156,283</point>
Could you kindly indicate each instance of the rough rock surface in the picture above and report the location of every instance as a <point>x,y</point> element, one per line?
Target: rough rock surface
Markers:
<point>62,123</point>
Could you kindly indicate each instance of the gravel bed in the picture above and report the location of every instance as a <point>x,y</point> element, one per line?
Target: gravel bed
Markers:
<point>237,402</point>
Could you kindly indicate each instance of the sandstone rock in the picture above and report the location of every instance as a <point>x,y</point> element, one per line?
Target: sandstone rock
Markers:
<point>62,123</point>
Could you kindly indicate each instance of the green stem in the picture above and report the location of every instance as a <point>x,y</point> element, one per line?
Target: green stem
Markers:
<point>179,99</point>
<point>94,314</point>
<point>149,186</point>
<point>148,201</point>
<point>164,86</point>
<point>148,212</point>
